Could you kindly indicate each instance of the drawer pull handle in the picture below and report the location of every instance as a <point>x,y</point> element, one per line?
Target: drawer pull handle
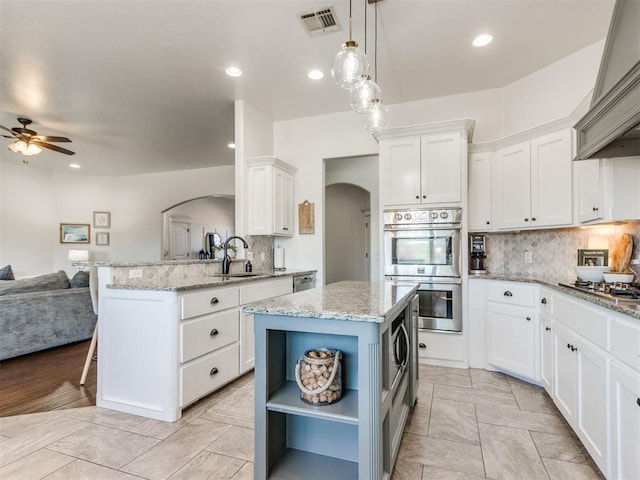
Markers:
<point>507,293</point>
<point>422,345</point>
<point>568,345</point>
<point>528,319</point>
<point>544,300</point>
<point>595,209</point>
<point>214,300</point>
<point>573,349</point>
<point>526,219</point>
<point>533,219</point>
<point>638,402</point>
<point>214,332</point>
<point>213,371</point>
<point>548,329</point>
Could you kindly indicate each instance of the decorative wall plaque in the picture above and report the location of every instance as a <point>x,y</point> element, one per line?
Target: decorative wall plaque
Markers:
<point>306,218</point>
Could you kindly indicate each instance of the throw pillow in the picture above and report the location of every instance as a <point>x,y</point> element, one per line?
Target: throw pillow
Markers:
<point>6,273</point>
<point>80,280</point>
<point>49,281</point>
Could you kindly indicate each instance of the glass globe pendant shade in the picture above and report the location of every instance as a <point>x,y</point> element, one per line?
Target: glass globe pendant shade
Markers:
<point>32,149</point>
<point>376,119</point>
<point>363,94</point>
<point>350,66</point>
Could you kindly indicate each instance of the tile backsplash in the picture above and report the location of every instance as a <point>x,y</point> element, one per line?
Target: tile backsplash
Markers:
<point>555,252</point>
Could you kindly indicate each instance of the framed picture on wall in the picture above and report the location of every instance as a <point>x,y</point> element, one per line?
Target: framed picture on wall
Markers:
<point>593,258</point>
<point>75,233</point>
<point>102,238</point>
<point>101,219</point>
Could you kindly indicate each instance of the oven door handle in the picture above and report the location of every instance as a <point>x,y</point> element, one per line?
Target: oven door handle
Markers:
<point>405,360</point>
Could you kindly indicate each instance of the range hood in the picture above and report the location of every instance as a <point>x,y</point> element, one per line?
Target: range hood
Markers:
<point>611,126</point>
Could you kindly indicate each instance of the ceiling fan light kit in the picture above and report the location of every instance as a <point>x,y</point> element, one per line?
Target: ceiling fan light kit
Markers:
<point>29,143</point>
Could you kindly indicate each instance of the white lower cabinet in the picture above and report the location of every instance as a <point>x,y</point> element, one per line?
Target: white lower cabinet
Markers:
<point>546,353</point>
<point>624,411</point>
<point>510,338</point>
<point>440,347</point>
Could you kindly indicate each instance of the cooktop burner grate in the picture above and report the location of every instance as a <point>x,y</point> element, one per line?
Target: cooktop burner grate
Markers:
<point>613,291</point>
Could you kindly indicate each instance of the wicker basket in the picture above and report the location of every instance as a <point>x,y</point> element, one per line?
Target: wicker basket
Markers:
<point>319,376</point>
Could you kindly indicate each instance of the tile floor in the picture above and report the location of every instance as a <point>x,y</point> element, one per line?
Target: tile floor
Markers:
<point>467,424</point>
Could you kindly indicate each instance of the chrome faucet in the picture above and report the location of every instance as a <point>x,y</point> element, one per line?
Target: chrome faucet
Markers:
<point>226,259</point>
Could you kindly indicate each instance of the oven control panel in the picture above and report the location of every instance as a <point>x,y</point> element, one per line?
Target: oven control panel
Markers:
<point>422,216</point>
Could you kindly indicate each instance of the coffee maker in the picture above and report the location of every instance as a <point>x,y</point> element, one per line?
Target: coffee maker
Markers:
<point>477,253</point>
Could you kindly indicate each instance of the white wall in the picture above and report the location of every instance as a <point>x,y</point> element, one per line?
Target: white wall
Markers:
<point>541,97</point>
<point>253,138</point>
<point>34,203</point>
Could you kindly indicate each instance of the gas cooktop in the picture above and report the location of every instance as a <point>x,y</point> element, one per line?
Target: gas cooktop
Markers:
<point>620,292</point>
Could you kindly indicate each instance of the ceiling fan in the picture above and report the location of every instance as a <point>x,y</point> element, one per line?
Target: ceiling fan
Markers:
<point>28,142</point>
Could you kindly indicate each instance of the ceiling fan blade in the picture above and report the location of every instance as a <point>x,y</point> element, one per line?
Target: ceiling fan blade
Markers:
<point>55,148</point>
<point>8,130</point>
<point>48,138</point>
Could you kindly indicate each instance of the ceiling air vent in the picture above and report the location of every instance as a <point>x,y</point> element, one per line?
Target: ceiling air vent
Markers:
<point>320,21</point>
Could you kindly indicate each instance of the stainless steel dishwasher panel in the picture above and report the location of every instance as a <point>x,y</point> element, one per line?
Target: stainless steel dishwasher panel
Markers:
<point>304,282</point>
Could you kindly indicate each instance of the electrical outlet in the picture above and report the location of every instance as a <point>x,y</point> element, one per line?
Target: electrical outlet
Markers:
<point>263,256</point>
<point>250,256</point>
<point>528,256</point>
<point>135,273</point>
<point>635,261</point>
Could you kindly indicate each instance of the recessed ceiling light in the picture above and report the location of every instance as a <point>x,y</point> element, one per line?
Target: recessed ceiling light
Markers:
<point>482,40</point>
<point>231,145</point>
<point>315,74</point>
<point>233,71</point>
<point>74,165</point>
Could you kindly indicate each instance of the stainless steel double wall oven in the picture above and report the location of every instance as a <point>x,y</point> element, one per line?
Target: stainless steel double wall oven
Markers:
<point>423,246</point>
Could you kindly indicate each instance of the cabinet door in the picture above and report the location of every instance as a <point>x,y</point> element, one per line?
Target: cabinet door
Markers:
<point>511,187</point>
<point>588,175</point>
<point>282,203</point>
<point>624,422</point>
<point>400,170</point>
<point>565,374</point>
<point>261,214</point>
<point>247,342</point>
<point>591,421</point>
<point>480,191</point>
<point>551,194</point>
<point>441,168</point>
<point>510,341</point>
<point>546,353</point>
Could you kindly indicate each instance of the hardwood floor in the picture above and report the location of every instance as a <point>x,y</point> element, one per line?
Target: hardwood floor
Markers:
<point>47,380</point>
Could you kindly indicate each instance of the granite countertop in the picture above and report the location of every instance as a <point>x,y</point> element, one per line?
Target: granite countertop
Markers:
<point>347,300</point>
<point>199,281</point>
<point>628,308</point>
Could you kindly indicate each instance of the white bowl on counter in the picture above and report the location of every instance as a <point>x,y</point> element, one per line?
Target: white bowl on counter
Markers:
<point>591,274</point>
<point>611,277</point>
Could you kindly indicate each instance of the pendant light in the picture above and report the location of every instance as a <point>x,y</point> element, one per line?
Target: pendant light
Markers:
<point>351,65</point>
<point>362,95</point>
<point>376,114</point>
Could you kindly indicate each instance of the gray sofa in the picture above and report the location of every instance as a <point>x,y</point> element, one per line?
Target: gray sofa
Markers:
<point>43,312</point>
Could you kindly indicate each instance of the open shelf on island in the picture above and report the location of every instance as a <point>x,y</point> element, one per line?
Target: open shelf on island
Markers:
<point>286,399</point>
<point>311,466</point>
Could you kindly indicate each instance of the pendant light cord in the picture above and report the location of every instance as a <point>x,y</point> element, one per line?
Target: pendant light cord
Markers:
<point>365,27</point>
<point>375,50</point>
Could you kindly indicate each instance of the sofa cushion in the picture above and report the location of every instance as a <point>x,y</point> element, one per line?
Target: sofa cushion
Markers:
<point>49,281</point>
<point>6,273</point>
<point>80,280</point>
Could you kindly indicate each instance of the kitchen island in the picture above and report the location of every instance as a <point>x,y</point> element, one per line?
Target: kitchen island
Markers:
<point>171,333</point>
<point>358,436</point>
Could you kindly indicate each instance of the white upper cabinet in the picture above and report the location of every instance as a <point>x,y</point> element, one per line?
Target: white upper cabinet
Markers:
<point>480,217</point>
<point>532,183</point>
<point>270,197</point>
<point>607,189</point>
<point>423,165</point>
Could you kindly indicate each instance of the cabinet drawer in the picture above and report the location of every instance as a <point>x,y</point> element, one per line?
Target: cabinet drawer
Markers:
<point>511,293</point>
<point>208,373</point>
<point>266,289</point>
<point>441,346</point>
<point>625,341</point>
<point>206,334</point>
<point>583,320</point>
<point>208,301</point>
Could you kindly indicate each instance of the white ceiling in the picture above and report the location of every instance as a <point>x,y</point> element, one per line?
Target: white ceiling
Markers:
<point>139,86</point>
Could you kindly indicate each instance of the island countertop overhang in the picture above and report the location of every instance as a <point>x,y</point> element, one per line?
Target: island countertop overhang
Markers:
<point>357,301</point>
